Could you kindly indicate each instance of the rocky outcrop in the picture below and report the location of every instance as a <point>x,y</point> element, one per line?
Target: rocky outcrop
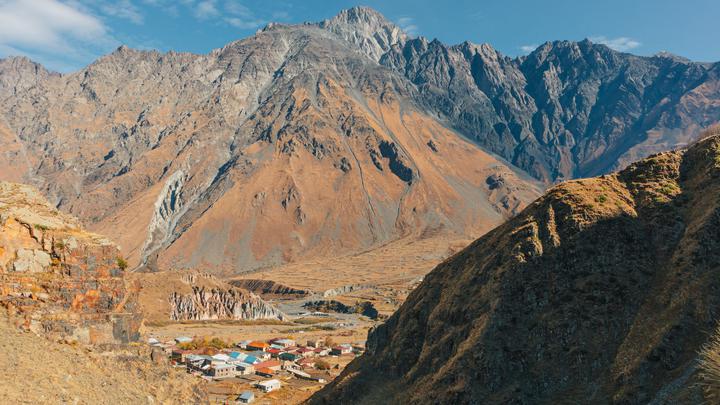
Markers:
<point>602,291</point>
<point>346,289</point>
<point>215,303</point>
<point>365,308</point>
<point>58,280</point>
<point>367,29</point>
<point>268,288</point>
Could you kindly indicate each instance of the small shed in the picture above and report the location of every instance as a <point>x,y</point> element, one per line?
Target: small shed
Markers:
<point>246,397</point>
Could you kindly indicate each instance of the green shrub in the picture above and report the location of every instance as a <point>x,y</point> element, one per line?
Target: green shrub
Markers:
<point>122,263</point>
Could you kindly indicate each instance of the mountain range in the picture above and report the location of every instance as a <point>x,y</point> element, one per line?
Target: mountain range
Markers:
<point>326,138</point>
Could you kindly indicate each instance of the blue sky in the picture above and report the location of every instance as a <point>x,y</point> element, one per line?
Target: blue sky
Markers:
<point>68,34</point>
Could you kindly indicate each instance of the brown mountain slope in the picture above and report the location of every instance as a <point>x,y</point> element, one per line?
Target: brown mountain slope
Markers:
<point>604,290</point>
<point>289,144</point>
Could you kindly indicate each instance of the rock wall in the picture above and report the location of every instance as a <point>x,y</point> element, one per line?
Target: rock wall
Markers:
<point>58,280</point>
<point>268,287</point>
<point>216,303</point>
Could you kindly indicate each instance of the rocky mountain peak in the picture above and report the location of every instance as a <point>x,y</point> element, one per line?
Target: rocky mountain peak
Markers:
<point>367,29</point>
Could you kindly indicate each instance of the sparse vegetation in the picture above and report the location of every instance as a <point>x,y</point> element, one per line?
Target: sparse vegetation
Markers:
<point>314,320</point>
<point>40,227</point>
<point>122,263</point>
<point>204,343</point>
<point>602,198</point>
<point>710,367</point>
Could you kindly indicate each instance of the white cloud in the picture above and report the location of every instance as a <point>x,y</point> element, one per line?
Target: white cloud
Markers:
<point>239,16</point>
<point>244,24</point>
<point>236,8</point>
<point>408,25</point>
<point>121,9</point>
<point>206,10</point>
<point>621,44</point>
<point>51,31</point>
<point>526,49</point>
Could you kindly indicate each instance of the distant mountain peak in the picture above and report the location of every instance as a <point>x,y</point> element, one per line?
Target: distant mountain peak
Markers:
<point>367,29</point>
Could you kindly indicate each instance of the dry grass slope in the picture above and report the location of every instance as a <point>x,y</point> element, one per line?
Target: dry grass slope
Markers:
<point>602,291</point>
<point>37,371</point>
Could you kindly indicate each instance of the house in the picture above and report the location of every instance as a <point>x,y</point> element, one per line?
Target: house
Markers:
<point>262,356</point>
<point>246,397</point>
<point>322,351</point>
<point>340,350</point>
<point>305,352</point>
<point>200,363</point>
<point>180,355</point>
<point>245,369</point>
<point>183,339</point>
<point>264,372</point>
<point>268,385</point>
<point>306,363</point>
<point>284,342</point>
<point>299,374</point>
<point>243,344</point>
<point>274,352</point>
<point>251,359</point>
<point>288,356</point>
<point>257,346</point>
<point>316,343</point>
<point>273,365</point>
<point>222,370</point>
<point>152,341</point>
<point>220,358</point>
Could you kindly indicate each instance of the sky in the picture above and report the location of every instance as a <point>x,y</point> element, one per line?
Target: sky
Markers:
<point>66,35</point>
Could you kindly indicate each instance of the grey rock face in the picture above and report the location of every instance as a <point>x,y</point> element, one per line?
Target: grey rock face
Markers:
<point>367,29</point>
<point>31,261</point>
<point>569,109</point>
<point>214,303</point>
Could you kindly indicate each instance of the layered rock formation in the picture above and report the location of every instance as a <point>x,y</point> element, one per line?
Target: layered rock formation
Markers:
<point>215,303</point>
<point>57,279</point>
<point>191,295</point>
<point>602,291</point>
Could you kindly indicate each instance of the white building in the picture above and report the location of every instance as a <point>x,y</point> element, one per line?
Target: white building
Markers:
<point>269,385</point>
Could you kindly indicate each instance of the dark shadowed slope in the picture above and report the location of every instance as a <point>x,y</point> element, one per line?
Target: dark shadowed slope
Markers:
<point>604,290</point>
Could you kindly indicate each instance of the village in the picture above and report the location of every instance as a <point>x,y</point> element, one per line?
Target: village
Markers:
<point>257,370</point>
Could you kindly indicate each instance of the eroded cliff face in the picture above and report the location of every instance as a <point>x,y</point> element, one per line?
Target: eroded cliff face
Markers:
<point>193,295</point>
<point>57,279</point>
<point>215,303</point>
<point>602,291</point>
